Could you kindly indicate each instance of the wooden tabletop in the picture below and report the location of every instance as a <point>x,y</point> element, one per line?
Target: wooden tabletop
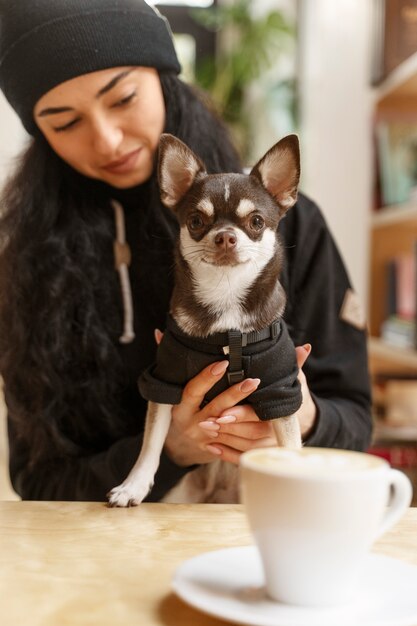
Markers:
<point>79,564</point>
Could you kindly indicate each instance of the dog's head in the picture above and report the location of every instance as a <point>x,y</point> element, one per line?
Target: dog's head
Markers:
<point>228,219</point>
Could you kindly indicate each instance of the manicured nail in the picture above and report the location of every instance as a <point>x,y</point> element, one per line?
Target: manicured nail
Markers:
<point>213,449</point>
<point>226,419</point>
<point>250,384</point>
<point>219,368</point>
<point>209,425</point>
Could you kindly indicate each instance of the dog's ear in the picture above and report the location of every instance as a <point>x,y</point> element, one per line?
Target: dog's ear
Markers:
<point>279,171</point>
<point>178,167</point>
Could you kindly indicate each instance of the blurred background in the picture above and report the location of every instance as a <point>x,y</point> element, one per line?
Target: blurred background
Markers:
<point>343,76</point>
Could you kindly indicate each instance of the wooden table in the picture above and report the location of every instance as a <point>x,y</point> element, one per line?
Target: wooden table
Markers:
<point>79,564</point>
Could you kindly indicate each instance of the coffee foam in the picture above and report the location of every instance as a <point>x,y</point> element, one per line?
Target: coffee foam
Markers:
<point>311,461</point>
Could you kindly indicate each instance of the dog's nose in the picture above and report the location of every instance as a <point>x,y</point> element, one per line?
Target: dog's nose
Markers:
<point>225,239</point>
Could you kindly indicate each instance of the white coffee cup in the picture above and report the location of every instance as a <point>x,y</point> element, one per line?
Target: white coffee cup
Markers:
<point>314,514</point>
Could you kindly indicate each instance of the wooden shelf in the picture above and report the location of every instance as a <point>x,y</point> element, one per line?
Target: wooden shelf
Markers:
<point>393,233</point>
<point>382,432</point>
<point>401,83</point>
<point>383,352</point>
<point>396,214</point>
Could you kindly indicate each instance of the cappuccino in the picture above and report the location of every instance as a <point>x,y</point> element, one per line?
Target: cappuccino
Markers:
<point>314,514</point>
<point>314,462</point>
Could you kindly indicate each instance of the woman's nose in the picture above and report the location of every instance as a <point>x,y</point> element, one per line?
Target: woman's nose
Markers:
<point>106,137</point>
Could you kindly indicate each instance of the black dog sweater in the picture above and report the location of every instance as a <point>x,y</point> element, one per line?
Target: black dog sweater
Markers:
<point>268,355</point>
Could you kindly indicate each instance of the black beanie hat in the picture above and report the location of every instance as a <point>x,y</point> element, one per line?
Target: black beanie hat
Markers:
<point>46,42</point>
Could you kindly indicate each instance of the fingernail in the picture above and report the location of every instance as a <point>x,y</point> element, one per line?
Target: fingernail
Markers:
<point>250,384</point>
<point>219,368</point>
<point>226,419</point>
<point>209,425</point>
<point>213,449</point>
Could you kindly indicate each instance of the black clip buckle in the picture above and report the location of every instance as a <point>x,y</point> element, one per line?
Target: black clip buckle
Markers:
<point>275,330</point>
<point>235,377</point>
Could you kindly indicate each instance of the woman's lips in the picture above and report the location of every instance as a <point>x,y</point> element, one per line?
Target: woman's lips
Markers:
<point>123,165</point>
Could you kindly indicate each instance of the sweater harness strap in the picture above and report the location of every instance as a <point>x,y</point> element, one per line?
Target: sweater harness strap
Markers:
<point>232,342</point>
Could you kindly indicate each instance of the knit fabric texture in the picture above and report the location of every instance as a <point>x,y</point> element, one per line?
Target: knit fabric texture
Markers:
<point>181,357</point>
<point>46,42</point>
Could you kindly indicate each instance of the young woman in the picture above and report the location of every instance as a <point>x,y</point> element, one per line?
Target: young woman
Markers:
<point>96,84</point>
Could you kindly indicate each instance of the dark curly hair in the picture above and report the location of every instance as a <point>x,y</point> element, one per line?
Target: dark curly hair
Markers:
<point>60,307</point>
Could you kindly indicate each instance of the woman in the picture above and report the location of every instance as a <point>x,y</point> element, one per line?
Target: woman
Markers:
<point>95,84</point>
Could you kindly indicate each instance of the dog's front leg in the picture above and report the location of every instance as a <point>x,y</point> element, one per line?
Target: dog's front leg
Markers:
<point>141,477</point>
<point>287,432</point>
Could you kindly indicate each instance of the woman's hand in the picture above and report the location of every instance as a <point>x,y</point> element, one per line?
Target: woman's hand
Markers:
<point>187,443</point>
<point>231,427</point>
<point>239,429</point>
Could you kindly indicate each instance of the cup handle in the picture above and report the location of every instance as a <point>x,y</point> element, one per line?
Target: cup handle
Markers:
<point>401,496</point>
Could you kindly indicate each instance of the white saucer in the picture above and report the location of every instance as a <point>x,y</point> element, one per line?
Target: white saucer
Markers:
<point>229,584</point>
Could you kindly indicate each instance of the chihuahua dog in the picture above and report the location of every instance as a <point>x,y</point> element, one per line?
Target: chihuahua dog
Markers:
<point>227,300</point>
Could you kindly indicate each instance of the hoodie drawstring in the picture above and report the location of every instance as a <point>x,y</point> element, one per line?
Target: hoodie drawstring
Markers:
<point>122,258</point>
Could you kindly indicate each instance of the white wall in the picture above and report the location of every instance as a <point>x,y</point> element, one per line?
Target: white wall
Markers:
<point>270,117</point>
<point>12,137</point>
<point>336,122</point>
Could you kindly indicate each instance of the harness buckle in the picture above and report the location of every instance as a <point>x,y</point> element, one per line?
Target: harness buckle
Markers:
<point>235,377</point>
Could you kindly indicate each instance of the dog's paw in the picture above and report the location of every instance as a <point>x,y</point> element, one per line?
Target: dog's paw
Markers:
<point>127,494</point>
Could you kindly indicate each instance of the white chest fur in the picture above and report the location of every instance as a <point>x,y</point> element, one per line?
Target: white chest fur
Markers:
<point>223,288</point>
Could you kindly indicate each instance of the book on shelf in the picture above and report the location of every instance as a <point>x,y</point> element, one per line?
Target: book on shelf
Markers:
<point>400,456</point>
<point>391,285</point>
<point>395,405</point>
<point>395,444</point>
<point>394,441</point>
<point>399,327</point>
<point>401,286</point>
<point>396,160</point>
<point>399,332</point>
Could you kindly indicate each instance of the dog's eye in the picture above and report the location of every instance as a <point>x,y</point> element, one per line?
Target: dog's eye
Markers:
<point>195,222</point>
<point>257,222</point>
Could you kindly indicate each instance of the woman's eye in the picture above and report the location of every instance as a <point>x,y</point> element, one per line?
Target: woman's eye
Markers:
<point>125,100</point>
<point>257,222</point>
<point>195,222</point>
<point>60,129</point>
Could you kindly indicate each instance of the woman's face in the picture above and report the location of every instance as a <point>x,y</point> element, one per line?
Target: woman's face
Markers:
<point>106,124</point>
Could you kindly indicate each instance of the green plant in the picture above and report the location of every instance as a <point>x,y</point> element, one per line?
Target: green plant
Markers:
<point>251,44</point>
